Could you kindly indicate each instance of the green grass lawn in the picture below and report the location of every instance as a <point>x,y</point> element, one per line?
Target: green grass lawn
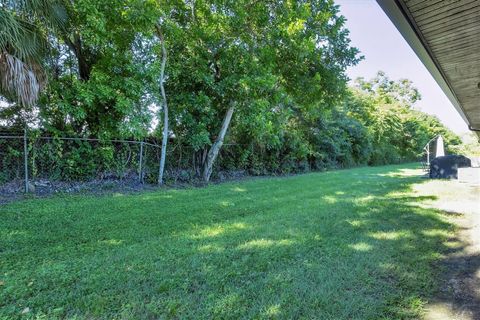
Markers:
<point>348,244</point>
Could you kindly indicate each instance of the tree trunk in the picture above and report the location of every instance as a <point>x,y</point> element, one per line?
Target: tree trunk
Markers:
<point>215,149</point>
<point>164,107</point>
<point>84,67</point>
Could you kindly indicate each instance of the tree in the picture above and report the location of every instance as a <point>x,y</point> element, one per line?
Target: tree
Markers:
<point>103,70</point>
<point>397,131</point>
<point>389,91</point>
<point>252,85</point>
<point>217,145</point>
<point>164,103</point>
<point>231,54</point>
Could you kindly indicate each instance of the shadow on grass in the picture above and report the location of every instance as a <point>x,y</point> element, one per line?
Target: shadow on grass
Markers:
<point>460,291</point>
<point>336,245</point>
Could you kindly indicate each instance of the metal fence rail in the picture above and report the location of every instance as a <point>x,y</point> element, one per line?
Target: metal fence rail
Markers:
<point>428,153</point>
<point>32,161</point>
<point>30,157</point>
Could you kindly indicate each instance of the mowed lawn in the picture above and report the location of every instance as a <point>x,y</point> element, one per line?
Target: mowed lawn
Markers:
<point>347,244</point>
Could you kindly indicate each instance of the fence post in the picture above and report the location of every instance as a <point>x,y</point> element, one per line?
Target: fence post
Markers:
<point>140,169</point>
<point>25,158</point>
<point>428,154</point>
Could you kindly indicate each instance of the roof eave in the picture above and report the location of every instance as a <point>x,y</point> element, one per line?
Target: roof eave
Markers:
<point>407,28</point>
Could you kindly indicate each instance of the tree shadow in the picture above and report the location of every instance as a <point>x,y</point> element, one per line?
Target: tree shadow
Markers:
<point>336,245</point>
<point>459,291</point>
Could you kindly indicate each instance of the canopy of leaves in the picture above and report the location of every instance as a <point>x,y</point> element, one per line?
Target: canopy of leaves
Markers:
<point>280,63</point>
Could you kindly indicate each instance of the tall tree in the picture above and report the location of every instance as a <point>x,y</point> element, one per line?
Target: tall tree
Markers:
<point>104,69</point>
<point>397,131</point>
<point>163,154</point>
<point>389,91</point>
<point>233,53</point>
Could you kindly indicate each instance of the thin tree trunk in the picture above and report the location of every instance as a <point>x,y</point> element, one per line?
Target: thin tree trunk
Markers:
<point>164,107</point>
<point>84,67</point>
<point>215,149</point>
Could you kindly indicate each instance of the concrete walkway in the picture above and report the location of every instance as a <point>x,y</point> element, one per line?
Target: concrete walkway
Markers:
<point>459,297</point>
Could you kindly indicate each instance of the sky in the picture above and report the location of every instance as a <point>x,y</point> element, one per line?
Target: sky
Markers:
<point>385,49</point>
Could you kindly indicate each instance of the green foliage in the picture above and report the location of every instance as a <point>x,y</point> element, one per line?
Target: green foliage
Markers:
<point>103,70</point>
<point>11,159</point>
<point>280,64</point>
<point>369,126</point>
<point>79,160</point>
<point>396,130</point>
<point>470,145</point>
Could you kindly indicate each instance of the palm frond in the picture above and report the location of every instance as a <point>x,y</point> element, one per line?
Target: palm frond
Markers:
<point>24,26</point>
<point>19,37</point>
<point>52,12</point>
<point>20,80</point>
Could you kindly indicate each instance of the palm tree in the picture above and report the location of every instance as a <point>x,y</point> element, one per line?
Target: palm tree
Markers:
<point>24,26</point>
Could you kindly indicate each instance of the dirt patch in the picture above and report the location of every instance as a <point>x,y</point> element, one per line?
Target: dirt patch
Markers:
<point>15,190</point>
<point>459,294</point>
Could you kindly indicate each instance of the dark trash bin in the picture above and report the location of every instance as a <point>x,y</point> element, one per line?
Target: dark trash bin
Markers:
<point>446,167</point>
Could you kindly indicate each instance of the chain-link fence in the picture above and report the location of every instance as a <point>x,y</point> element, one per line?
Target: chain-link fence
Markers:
<point>31,161</point>
<point>36,162</point>
<point>12,158</point>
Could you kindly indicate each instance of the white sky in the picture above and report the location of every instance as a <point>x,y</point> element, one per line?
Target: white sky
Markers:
<point>385,49</point>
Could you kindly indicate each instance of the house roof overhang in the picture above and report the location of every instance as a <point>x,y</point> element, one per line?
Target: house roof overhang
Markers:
<point>445,35</point>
